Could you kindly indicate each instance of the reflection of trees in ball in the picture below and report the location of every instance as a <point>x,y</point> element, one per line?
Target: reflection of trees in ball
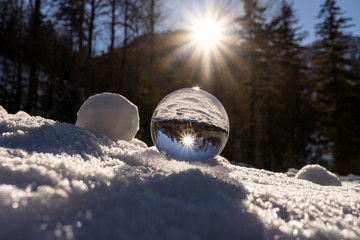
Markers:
<point>204,137</point>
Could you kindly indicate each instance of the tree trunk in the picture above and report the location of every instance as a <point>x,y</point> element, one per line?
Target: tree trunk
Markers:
<point>113,23</point>
<point>81,28</point>
<point>124,50</point>
<point>91,29</point>
<point>33,81</point>
<point>152,32</point>
<point>72,26</point>
<point>19,59</point>
<point>290,148</point>
<point>252,137</point>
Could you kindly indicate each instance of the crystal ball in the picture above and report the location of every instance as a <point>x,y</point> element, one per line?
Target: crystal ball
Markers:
<point>190,124</point>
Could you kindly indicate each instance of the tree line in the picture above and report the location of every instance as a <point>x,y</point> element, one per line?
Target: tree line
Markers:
<point>288,104</point>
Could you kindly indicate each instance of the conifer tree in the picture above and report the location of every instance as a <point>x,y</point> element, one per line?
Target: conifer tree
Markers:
<point>291,120</point>
<point>337,89</point>
<point>252,34</point>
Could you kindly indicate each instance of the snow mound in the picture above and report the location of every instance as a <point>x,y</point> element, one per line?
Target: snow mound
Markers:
<point>291,172</point>
<point>3,110</point>
<point>110,114</point>
<point>59,181</point>
<point>318,174</point>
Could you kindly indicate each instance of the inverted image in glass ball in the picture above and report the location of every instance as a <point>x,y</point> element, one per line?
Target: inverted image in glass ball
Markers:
<point>190,124</point>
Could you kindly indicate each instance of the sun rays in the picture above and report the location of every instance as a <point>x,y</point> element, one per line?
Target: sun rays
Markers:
<point>187,140</point>
<point>205,48</point>
<point>208,41</point>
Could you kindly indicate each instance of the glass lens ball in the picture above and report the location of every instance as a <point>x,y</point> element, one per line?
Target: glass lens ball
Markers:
<point>190,124</point>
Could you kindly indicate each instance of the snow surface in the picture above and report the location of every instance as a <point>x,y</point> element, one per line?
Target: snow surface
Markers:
<point>318,174</point>
<point>192,104</point>
<point>110,114</point>
<point>59,181</point>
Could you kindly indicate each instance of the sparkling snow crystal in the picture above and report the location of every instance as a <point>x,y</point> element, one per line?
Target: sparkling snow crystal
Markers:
<point>59,181</point>
<point>110,114</point>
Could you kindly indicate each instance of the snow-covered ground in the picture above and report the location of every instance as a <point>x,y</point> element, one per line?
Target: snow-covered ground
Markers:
<point>59,181</point>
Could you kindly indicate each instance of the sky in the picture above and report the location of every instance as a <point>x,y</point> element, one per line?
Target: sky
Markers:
<point>307,11</point>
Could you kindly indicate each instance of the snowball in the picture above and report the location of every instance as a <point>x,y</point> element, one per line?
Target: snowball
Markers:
<point>318,174</point>
<point>110,114</point>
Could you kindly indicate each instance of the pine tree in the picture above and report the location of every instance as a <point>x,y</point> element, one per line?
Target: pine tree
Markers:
<point>291,119</point>
<point>337,89</point>
<point>253,47</point>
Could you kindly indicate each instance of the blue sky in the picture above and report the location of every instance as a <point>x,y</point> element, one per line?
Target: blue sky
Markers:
<point>307,11</point>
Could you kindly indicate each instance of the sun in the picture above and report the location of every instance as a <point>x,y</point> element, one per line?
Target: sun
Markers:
<point>187,137</point>
<point>188,140</point>
<point>207,32</point>
<point>206,41</point>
